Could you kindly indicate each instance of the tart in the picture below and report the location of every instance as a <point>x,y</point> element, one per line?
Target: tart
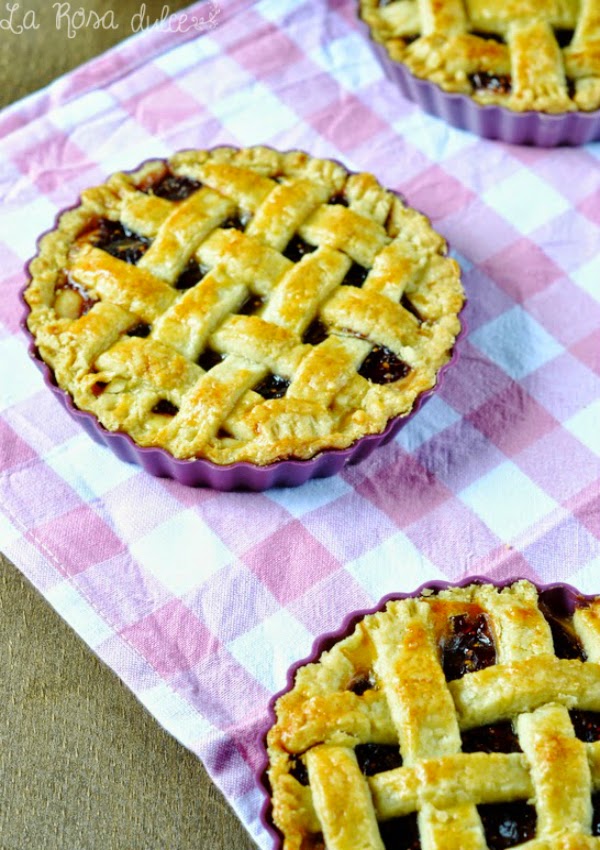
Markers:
<point>243,305</point>
<point>462,718</point>
<point>525,56</point>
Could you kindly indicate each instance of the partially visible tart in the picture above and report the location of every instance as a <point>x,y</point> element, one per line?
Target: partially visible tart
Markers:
<point>525,55</point>
<point>244,305</point>
<point>464,718</point>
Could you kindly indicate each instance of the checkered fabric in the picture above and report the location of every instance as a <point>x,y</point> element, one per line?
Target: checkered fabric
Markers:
<point>201,600</point>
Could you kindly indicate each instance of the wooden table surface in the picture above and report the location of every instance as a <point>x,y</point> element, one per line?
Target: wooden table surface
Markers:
<point>83,765</point>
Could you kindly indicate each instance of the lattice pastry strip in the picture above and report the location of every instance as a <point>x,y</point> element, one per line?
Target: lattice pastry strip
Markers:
<point>539,55</point>
<point>403,716</point>
<point>302,306</point>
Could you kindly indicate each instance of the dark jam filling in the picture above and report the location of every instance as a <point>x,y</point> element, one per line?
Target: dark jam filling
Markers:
<point>497,83</point>
<point>356,276</point>
<point>299,771</point>
<point>173,188</point>
<point>564,637</point>
<point>191,275</point>
<point>98,388</point>
<point>273,386</point>
<point>118,241</point>
<point>313,842</point>
<point>400,833</point>
<point>251,305</point>
<point>361,684</point>
<point>410,307</point>
<point>209,358</point>
<point>586,725</point>
<point>469,647</point>
<point>165,408</point>
<point>498,738</point>
<point>141,329</point>
<point>297,248</point>
<point>489,36</point>
<point>234,222</point>
<point>338,200</point>
<point>315,333</point>
<point>382,366</point>
<point>507,824</point>
<point>377,758</point>
<point>564,37</point>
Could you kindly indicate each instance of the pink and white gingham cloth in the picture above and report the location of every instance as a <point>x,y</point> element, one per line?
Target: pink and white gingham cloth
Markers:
<point>200,600</point>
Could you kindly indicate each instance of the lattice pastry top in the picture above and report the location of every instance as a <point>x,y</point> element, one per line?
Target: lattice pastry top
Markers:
<point>463,720</point>
<point>541,55</point>
<point>244,305</point>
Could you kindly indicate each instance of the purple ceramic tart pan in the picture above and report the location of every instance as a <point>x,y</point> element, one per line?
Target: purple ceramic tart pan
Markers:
<point>242,318</point>
<point>458,716</point>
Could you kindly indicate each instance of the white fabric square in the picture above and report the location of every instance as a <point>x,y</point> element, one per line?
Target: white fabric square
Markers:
<point>276,654</point>
<point>80,615</point>
<point>395,565</point>
<point>182,552</point>
<point>313,495</point>
<point>76,112</point>
<point>90,469</point>
<point>586,579</point>
<point>350,60</point>
<point>516,342</point>
<point>19,378</point>
<point>9,533</point>
<point>435,417</point>
<point>585,425</point>
<point>432,137</point>
<point>176,715</point>
<point>507,501</point>
<point>512,198</point>
<point>588,277</point>
<point>34,215</point>
<point>186,56</point>
<point>253,114</point>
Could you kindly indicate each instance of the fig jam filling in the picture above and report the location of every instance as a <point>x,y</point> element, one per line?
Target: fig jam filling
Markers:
<point>586,725</point>
<point>273,386</point>
<point>142,330</point>
<point>596,814</point>
<point>191,275</point>
<point>410,307</point>
<point>497,83</point>
<point>382,366</point>
<point>362,683</point>
<point>507,824</point>
<point>377,758</point>
<point>315,333</point>
<point>298,771</point>
<point>209,358</point>
<point>297,248</point>
<point>400,833</point>
<point>338,200</point>
<point>172,188</point>
<point>313,842</point>
<point>118,241</point>
<point>496,738</point>
<point>356,276</point>
<point>469,647</point>
<point>564,637</point>
<point>251,305</point>
<point>165,408</point>
<point>235,222</point>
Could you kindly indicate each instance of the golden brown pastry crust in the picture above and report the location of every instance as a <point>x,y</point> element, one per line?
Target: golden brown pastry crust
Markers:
<point>409,704</point>
<point>449,43</point>
<point>349,219</point>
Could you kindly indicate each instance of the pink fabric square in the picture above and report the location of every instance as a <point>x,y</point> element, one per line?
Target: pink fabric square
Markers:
<point>551,386</point>
<point>242,520</point>
<point>40,161</point>
<point>512,419</point>
<point>588,351</point>
<point>76,540</point>
<point>401,487</point>
<point>278,50</point>
<point>172,639</point>
<point>121,590</point>
<point>290,561</point>
<point>504,562</point>
<point>459,455</point>
<point>440,535</point>
<point>37,494</point>
<point>14,452</point>
<point>465,232</point>
<point>586,508</point>
<point>590,206</point>
<point>476,380</point>
<point>566,311</point>
<point>522,269</point>
<point>485,299</point>
<point>325,606</point>
<point>162,107</point>
<point>350,126</point>
<point>544,463</point>
<point>437,193</point>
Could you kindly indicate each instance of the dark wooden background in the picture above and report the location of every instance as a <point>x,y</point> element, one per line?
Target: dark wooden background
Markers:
<point>82,765</point>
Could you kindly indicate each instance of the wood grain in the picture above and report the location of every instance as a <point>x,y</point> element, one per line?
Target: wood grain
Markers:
<point>83,765</point>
